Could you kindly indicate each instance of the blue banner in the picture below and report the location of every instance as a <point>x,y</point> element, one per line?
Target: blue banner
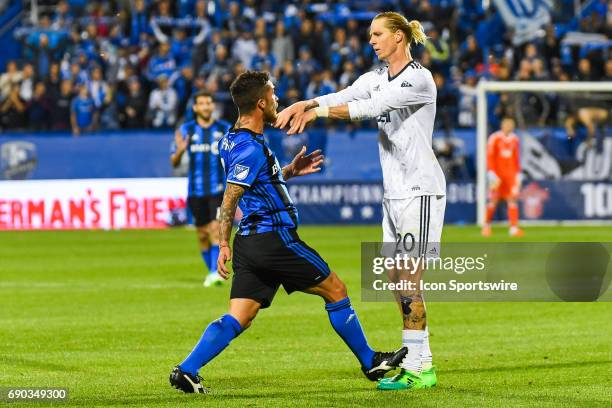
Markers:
<point>133,155</point>
<point>349,189</point>
<point>361,202</point>
<point>566,200</point>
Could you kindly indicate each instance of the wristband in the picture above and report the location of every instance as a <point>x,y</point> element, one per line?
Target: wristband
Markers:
<point>322,111</point>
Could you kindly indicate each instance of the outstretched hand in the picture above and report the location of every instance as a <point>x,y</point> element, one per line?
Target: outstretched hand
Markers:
<point>283,118</point>
<point>300,120</point>
<point>302,164</point>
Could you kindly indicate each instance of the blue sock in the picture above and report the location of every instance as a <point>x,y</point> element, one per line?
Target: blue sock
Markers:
<point>206,258</point>
<point>215,339</point>
<point>214,255</point>
<point>344,320</point>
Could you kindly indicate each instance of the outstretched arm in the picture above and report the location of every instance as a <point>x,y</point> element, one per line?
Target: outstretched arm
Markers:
<point>358,90</point>
<point>302,165</point>
<point>157,31</point>
<point>300,121</point>
<point>233,193</point>
<point>204,30</point>
<point>391,99</point>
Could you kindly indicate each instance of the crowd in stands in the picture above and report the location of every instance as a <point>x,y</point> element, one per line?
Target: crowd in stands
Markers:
<point>89,65</point>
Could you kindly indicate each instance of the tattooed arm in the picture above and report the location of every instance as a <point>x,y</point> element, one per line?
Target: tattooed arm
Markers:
<point>233,193</point>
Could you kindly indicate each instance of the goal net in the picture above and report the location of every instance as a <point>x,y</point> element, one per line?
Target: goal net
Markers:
<point>565,133</point>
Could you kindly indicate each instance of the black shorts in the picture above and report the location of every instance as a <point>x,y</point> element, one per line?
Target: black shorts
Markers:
<point>204,209</point>
<point>263,262</point>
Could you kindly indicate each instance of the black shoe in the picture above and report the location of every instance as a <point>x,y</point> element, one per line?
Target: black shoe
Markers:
<point>382,363</point>
<point>186,382</point>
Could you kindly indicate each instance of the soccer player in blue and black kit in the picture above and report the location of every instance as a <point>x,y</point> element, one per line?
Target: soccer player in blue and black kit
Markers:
<point>268,252</point>
<point>206,180</point>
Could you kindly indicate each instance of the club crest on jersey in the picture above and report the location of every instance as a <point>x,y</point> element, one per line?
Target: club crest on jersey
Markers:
<point>406,84</point>
<point>241,172</point>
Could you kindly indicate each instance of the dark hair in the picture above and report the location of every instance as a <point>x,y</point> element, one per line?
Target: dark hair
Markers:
<point>248,88</point>
<point>203,94</point>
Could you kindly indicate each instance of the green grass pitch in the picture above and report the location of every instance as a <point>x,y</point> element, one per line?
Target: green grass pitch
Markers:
<point>108,314</point>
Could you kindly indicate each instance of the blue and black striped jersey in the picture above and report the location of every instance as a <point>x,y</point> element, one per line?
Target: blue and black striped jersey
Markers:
<point>205,176</point>
<point>249,162</point>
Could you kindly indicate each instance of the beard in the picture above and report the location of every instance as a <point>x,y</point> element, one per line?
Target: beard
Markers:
<point>204,117</point>
<point>269,117</point>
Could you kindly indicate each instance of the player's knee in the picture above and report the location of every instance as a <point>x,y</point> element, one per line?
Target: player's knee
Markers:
<point>213,230</point>
<point>337,291</point>
<point>203,235</point>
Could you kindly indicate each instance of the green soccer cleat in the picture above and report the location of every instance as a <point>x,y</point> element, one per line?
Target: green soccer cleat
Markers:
<point>405,380</point>
<point>428,377</point>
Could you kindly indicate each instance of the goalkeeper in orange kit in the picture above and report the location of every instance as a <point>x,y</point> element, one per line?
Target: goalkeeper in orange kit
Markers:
<point>504,175</point>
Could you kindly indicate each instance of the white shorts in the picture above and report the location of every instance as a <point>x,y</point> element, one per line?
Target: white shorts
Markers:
<point>414,223</point>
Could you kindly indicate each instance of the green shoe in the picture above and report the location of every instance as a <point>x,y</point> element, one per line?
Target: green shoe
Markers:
<point>428,377</point>
<point>405,380</point>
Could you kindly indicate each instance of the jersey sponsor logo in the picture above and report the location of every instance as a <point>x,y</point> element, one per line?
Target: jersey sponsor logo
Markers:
<point>416,188</point>
<point>241,172</point>
<point>406,84</point>
<point>204,148</point>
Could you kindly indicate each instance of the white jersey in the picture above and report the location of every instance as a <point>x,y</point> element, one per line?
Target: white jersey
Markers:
<point>405,108</point>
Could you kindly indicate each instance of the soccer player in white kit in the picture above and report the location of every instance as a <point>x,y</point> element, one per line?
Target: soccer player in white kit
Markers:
<point>402,97</point>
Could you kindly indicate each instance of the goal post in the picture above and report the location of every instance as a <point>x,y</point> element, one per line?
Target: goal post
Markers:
<point>482,130</point>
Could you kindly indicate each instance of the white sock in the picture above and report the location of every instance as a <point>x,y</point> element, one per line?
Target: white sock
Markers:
<point>426,356</point>
<point>413,339</point>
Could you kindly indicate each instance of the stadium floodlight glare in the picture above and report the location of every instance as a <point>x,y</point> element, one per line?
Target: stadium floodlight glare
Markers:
<point>482,130</point>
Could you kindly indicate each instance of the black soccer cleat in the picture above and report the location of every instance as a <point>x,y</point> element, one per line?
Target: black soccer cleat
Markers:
<point>382,363</point>
<point>186,382</point>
